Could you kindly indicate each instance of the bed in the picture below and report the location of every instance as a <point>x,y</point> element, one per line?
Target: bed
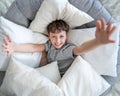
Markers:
<point>112,13</point>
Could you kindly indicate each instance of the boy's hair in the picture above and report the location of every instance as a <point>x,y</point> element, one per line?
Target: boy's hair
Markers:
<point>57,25</point>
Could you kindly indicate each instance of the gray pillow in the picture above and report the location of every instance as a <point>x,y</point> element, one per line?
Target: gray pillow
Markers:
<point>27,10</point>
<point>29,7</point>
<point>94,8</point>
<point>2,74</point>
<point>15,15</point>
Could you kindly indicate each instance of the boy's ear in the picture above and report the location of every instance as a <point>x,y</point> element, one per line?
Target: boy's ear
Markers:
<point>48,35</point>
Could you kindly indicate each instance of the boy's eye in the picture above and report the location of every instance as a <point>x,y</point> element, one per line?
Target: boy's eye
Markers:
<point>53,36</point>
<point>61,36</point>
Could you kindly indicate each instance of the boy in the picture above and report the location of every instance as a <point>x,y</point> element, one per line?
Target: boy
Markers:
<point>57,47</point>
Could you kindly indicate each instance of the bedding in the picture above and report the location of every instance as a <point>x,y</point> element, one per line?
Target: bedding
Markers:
<point>20,35</point>
<point>52,10</point>
<point>22,80</point>
<point>100,54</point>
<point>29,8</point>
<point>85,76</point>
<point>50,71</point>
<point>4,6</point>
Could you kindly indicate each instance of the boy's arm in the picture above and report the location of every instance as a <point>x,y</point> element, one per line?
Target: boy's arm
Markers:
<point>9,46</point>
<point>29,47</point>
<point>102,34</point>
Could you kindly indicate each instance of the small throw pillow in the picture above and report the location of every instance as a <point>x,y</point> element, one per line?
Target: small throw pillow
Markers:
<point>50,71</point>
<point>82,80</point>
<point>22,80</point>
<point>19,34</point>
<point>51,10</point>
<point>104,58</point>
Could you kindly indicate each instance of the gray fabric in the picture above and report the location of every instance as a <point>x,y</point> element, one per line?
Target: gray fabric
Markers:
<point>15,15</point>
<point>29,7</point>
<point>118,62</point>
<point>64,55</point>
<point>94,8</point>
<point>2,74</point>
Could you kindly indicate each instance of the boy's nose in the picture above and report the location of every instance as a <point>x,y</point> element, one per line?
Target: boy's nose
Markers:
<point>58,40</point>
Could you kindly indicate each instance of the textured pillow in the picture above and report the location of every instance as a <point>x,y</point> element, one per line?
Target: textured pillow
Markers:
<point>82,80</point>
<point>28,9</point>
<point>21,80</point>
<point>4,5</point>
<point>15,15</point>
<point>51,10</point>
<point>94,8</point>
<point>103,58</point>
<point>20,34</point>
<point>50,71</point>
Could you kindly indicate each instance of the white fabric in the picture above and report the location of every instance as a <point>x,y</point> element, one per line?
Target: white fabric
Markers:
<point>22,80</point>
<point>104,58</point>
<point>20,34</point>
<point>51,10</point>
<point>50,71</point>
<point>82,80</point>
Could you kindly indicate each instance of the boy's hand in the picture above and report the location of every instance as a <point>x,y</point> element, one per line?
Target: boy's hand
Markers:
<point>103,32</point>
<point>8,45</point>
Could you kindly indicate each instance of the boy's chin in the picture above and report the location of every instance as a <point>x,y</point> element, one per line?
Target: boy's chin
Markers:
<point>58,47</point>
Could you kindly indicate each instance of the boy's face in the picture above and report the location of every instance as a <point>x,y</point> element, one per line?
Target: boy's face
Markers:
<point>58,39</point>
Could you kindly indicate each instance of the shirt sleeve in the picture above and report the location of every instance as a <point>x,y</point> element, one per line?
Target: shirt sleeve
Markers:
<point>47,45</point>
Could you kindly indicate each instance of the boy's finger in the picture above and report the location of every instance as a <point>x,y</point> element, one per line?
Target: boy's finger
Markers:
<point>98,26</point>
<point>9,38</point>
<point>5,40</point>
<point>109,26</point>
<point>4,46</point>
<point>112,41</point>
<point>103,24</point>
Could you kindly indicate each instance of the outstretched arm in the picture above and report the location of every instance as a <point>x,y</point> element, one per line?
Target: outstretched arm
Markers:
<point>103,34</point>
<point>9,46</point>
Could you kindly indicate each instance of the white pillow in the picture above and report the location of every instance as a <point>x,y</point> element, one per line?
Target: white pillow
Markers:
<point>82,80</point>
<point>50,71</point>
<point>21,80</point>
<point>19,34</point>
<point>51,10</point>
<point>104,58</point>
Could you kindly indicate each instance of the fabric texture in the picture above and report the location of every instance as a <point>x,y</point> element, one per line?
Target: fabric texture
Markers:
<point>81,80</point>
<point>29,8</point>
<point>4,6</point>
<point>21,80</point>
<point>14,14</point>
<point>2,74</point>
<point>95,9</point>
<point>51,10</point>
<point>63,56</point>
<point>99,56</point>
<point>20,34</point>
